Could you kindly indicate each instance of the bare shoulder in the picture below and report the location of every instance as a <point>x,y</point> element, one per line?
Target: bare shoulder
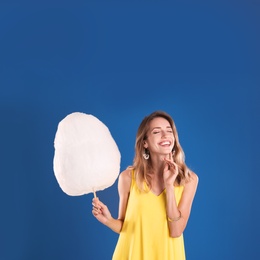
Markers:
<point>124,181</point>
<point>193,181</point>
<point>194,177</point>
<point>126,175</point>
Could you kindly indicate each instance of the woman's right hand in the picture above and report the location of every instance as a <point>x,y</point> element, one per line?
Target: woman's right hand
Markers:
<point>100,211</point>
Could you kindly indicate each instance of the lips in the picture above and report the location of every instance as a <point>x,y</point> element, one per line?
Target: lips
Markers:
<point>165,143</point>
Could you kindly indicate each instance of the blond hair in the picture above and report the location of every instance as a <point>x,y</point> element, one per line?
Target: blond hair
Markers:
<point>142,166</point>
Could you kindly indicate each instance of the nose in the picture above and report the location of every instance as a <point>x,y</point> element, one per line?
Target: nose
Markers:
<point>164,134</point>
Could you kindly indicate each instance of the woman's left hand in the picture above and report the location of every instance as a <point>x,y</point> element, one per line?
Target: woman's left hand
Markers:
<point>170,171</point>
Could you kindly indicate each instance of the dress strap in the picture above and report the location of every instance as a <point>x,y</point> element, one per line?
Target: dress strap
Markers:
<point>133,174</point>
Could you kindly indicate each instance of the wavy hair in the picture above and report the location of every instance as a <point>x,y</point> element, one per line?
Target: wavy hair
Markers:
<point>142,166</point>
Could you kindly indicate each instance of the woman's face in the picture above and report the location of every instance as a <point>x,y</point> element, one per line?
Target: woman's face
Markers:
<point>160,139</point>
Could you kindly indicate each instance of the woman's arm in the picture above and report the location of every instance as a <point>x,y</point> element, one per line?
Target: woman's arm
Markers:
<point>178,215</point>
<point>101,211</point>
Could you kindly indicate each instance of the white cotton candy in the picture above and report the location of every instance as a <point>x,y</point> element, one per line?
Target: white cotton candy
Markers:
<point>86,157</point>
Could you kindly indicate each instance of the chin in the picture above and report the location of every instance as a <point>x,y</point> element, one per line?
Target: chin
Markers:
<point>165,154</point>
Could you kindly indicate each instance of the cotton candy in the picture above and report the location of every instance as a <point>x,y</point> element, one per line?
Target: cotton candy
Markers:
<point>86,157</point>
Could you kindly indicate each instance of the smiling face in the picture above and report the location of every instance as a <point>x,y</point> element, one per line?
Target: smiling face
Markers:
<point>160,139</point>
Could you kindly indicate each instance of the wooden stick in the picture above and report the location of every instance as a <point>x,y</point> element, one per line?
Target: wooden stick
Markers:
<point>94,193</point>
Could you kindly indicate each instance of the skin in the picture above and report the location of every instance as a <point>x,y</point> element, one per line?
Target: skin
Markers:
<point>160,142</point>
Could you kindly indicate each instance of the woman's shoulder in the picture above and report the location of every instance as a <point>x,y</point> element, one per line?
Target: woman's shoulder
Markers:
<point>127,173</point>
<point>125,178</point>
<point>193,179</point>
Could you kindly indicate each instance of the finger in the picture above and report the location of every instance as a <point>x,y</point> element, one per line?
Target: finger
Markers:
<point>167,159</point>
<point>175,164</point>
<point>169,162</point>
<point>96,211</point>
<point>95,200</point>
<point>168,165</point>
<point>96,205</point>
<point>172,166</point>
<point>101,204</point>
<point>176,167</point>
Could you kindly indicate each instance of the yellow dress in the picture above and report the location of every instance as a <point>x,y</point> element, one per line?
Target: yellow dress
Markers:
<point>145,233</point>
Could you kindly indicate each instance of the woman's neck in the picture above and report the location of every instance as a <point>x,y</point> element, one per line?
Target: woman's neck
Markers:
<point>157,165</point>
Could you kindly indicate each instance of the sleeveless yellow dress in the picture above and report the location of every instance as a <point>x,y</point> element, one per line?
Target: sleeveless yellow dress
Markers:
<point>145,233</point>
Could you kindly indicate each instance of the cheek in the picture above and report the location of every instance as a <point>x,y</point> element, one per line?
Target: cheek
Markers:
<point>150,143</point>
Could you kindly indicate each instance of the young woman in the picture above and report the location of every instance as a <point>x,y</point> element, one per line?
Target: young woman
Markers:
<point>156,195</point>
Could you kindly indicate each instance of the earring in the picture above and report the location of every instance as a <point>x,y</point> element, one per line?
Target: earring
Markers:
<point>146,154</point>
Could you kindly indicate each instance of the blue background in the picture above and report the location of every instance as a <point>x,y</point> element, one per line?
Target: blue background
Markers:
<point>121,61</point>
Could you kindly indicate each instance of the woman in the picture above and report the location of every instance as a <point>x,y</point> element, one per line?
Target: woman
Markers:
<point>155,195</point>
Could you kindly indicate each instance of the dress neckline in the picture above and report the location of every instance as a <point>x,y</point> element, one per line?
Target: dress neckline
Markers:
<point>157,195</point>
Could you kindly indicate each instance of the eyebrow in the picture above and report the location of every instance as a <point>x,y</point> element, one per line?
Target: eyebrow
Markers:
<point>158,127</point>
